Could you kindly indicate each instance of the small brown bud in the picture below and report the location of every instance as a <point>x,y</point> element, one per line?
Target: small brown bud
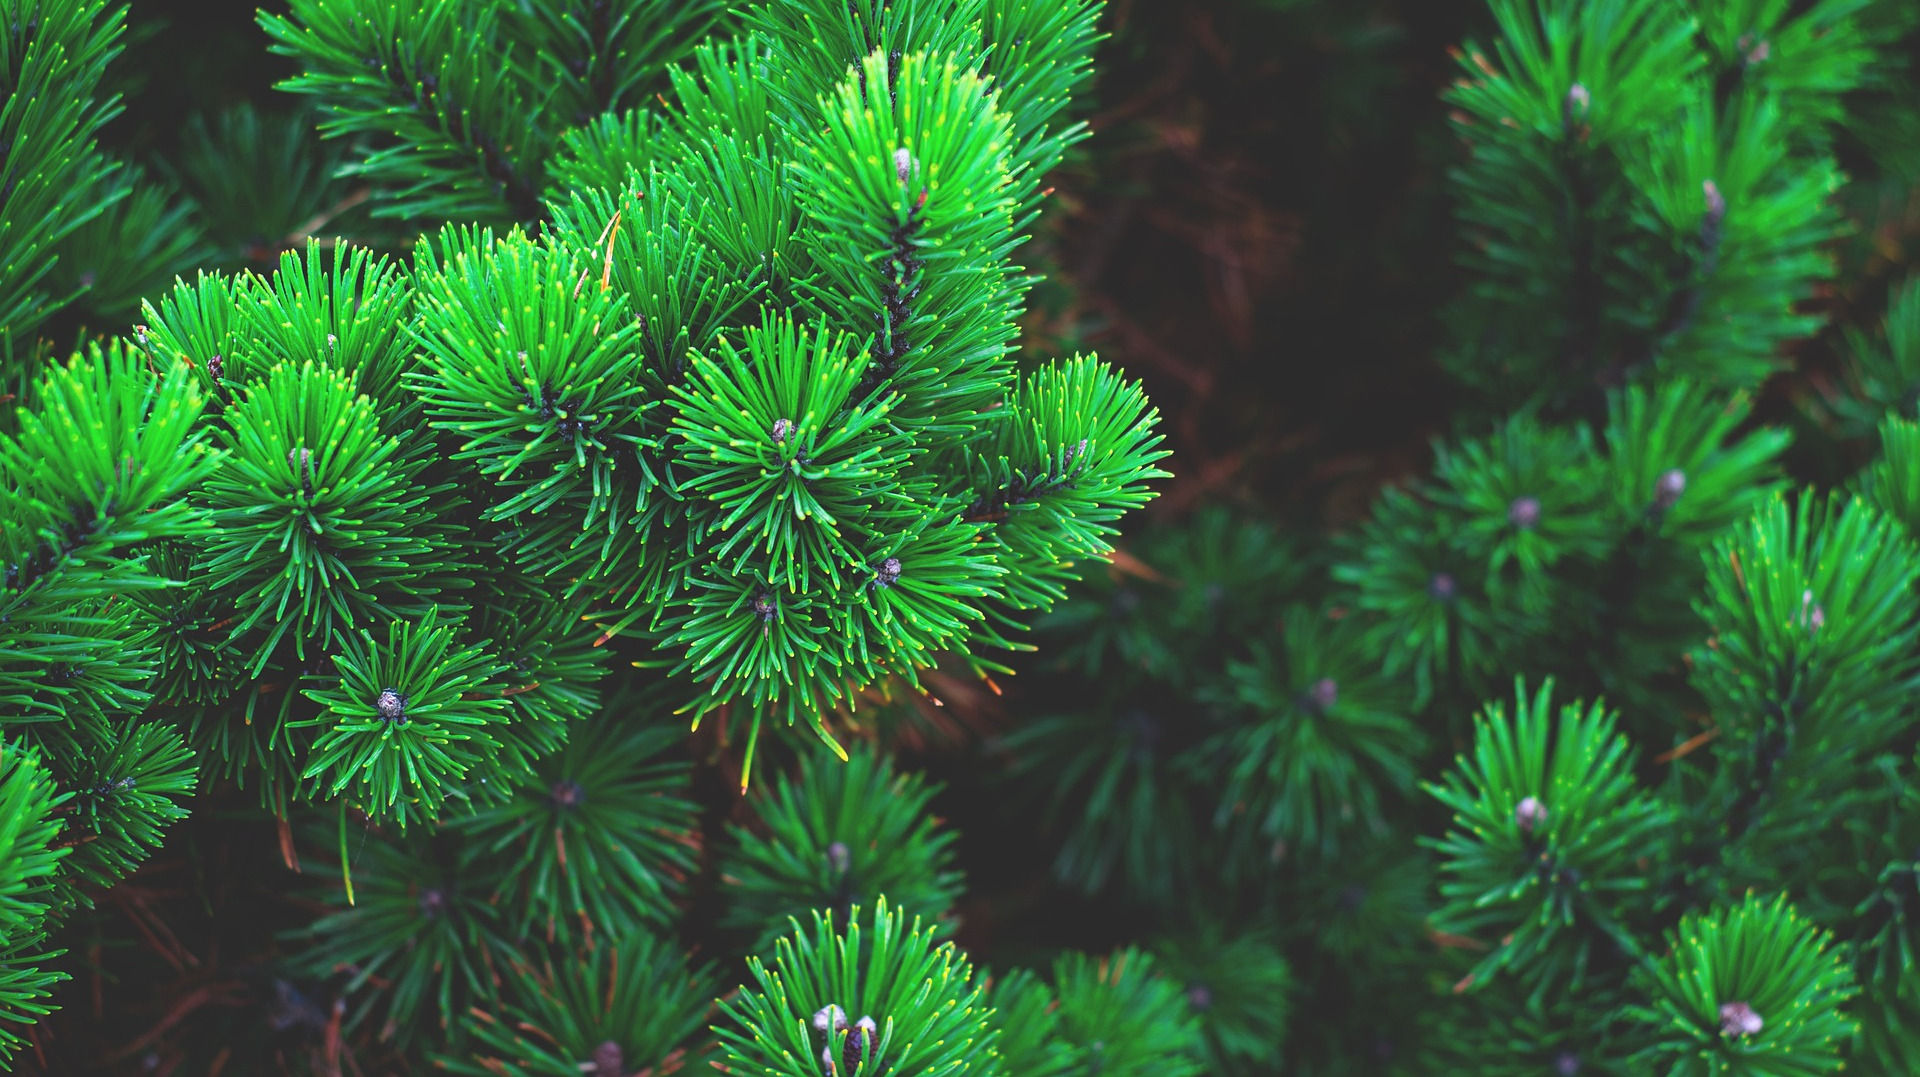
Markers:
<point>1716,202</point>
<point>1524,513</point>
<point>1574,107</point>
<point>391,706</point>
<point>568,793</point>
<point>781,428</point>
<point>859,1045</point>
<point>1811,613</point>
<point>1667,491</point>
<point>1738,1019</point>
<point>1528,814</point>
<point>609,1060</point>
<point>1323,695</point>
<point>302,461</point>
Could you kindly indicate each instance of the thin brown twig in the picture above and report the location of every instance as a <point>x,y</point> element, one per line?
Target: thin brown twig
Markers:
<point>204,995</point>
<point>305,230</point>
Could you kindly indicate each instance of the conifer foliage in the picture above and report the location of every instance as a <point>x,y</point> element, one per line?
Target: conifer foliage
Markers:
<point>705,353</point>
<point>53,61</point>
<point>1671,771</point>
<point>550,555</point>
<point>800,475</point>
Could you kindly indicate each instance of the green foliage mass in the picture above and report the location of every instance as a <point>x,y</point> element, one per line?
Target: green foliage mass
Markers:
<point>364,530</point>
<point>576,401</point>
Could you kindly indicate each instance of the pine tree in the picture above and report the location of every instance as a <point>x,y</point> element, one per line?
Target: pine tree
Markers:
<point>572,470</point>
<point>364,532</point>
<point>1696,799</point>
